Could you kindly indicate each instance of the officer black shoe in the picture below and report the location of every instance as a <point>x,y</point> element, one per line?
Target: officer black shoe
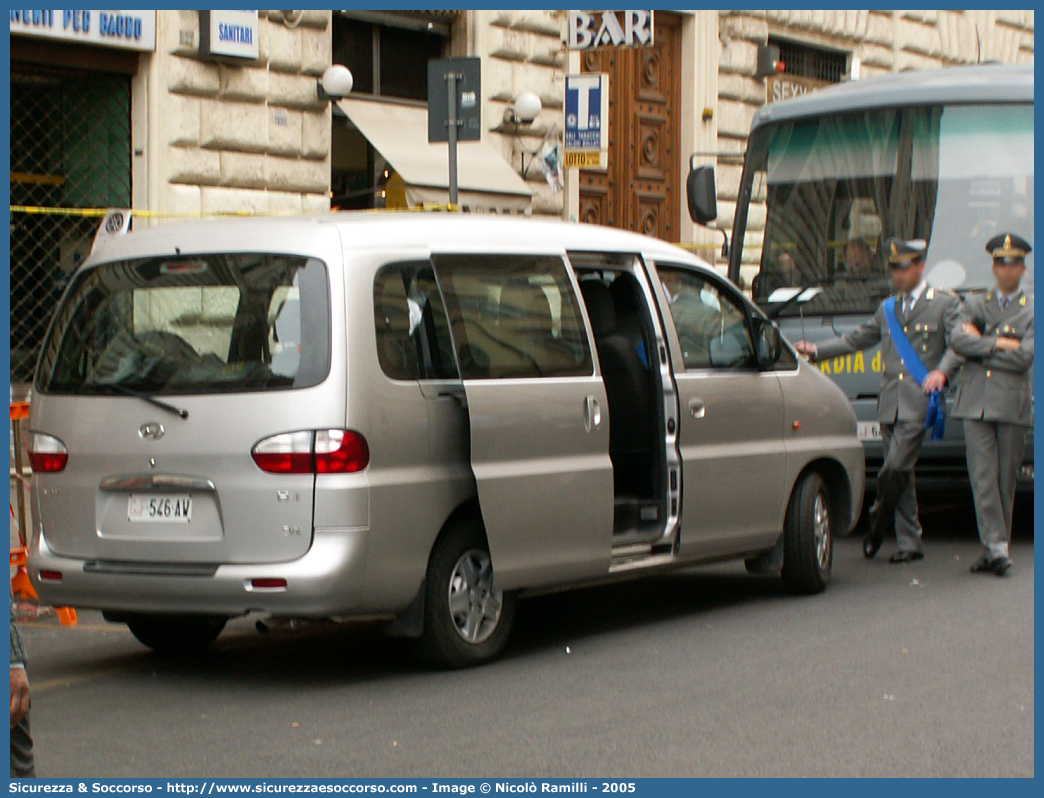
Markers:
<point>984,565</point>
<point>871,544</point>
<point>1001,566</point>
<point>906,556</point>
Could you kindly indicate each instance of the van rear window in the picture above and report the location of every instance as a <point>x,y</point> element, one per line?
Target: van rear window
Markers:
<point>216,323</point>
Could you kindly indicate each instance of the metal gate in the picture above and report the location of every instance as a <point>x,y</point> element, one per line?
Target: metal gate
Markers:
<point>70,148</point>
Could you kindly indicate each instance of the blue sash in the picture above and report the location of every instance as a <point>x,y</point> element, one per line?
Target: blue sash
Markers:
<point>935,418</point>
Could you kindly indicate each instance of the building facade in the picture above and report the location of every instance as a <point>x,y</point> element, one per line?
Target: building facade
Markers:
<point>171,114</point>
<point>129,109</point>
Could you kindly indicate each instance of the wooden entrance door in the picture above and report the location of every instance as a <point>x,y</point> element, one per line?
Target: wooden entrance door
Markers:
<point>641,189</point>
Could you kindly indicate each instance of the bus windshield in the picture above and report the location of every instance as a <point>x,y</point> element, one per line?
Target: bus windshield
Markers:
<point>836,187</point>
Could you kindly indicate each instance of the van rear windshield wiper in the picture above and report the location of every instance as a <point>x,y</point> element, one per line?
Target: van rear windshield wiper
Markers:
<point>152,400</point>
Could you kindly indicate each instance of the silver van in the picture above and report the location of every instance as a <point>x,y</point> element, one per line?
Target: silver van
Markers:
<point>416,418</point>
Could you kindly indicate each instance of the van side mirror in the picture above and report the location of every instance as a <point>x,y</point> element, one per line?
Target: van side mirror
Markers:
<point>702,195</point>
<point>768,342</point>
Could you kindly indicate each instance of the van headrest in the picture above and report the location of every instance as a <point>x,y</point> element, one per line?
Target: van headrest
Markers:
<point>600,307</point>
<point>625,291</point>
<point>529,306</point>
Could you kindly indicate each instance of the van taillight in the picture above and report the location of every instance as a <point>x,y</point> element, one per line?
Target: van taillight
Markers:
<point>289,453</point>
<point>47,454</point>
<point>325,451</point>
<point>340,451</point>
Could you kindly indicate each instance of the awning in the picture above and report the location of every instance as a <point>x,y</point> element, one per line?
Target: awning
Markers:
<point>485,181</point>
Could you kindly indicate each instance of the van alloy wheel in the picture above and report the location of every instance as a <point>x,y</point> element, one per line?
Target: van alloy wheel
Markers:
<point>808,538</point>
<point>474,603</point>
<point>466,619</point>
<point>821,530</point>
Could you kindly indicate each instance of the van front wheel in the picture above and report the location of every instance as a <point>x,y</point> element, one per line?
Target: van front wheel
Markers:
<point>808,540</point>
<point>175,634</point>
<point>466,619</point>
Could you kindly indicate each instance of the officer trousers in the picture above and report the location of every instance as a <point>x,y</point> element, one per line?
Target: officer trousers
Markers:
<point>994,455</point>
<point>896,502</point>
<point>23,765</point>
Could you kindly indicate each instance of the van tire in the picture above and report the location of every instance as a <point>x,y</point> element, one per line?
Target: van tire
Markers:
<point>442,643</point>
<point>808,539</point>
<point>175,635</point>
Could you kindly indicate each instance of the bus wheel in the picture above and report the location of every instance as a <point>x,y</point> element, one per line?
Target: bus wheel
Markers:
<point>808,540</point>
<point>175,634</point>
<point>466,619</point>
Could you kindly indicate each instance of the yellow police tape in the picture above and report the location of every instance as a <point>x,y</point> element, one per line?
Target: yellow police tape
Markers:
<point>98,213</point>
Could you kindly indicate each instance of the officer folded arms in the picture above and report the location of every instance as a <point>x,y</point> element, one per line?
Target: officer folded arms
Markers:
<point>914,327</point>
<point>994,395</point>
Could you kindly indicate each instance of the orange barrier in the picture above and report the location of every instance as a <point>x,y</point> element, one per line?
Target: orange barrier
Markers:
<point>23,589</point>
<point>21,586</point>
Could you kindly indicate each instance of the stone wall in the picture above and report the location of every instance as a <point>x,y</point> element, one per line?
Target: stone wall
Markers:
<point>881,41</point>
<point>240,137</point>
<point>255,137</point>
<point>521,51</point>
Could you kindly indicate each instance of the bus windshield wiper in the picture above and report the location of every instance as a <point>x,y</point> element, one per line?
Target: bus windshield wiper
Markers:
<point>798,297</point>
<point>152,400</point>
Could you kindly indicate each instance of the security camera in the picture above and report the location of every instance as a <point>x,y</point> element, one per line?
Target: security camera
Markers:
<point>526,109</point>
<point>336,82</point>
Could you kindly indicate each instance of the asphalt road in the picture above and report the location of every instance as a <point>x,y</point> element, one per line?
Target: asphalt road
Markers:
<point>914,670</point>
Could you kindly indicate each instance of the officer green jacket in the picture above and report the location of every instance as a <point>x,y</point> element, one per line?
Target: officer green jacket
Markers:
<point>995,385</point>
<point>934,318</point>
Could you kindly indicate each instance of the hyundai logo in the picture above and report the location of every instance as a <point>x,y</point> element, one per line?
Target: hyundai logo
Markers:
<point>152,431</point>
<point>114,223</point>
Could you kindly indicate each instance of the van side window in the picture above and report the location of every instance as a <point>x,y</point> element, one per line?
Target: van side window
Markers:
<point>413,340</point>
<point>514,316</point>
<point>712,324</point>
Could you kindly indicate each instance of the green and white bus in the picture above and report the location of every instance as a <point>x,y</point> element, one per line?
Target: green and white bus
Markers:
<point>944,155</point>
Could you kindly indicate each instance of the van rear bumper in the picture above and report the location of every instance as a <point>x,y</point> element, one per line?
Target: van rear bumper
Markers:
<point>327,581</point>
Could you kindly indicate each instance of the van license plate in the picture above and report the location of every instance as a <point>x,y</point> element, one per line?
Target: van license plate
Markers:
<point>868,430</point>
<point>165,508</point>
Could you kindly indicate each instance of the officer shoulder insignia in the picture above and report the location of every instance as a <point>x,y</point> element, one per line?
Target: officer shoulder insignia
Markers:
<point>989,296</point>
<point>1022,300</point>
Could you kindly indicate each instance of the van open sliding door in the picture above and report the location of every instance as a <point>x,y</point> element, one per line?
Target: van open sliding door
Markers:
<point>538,416</point>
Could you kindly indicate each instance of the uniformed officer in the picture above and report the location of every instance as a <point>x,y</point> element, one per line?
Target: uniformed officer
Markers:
<point>927,317</point>
<point>994,395</point>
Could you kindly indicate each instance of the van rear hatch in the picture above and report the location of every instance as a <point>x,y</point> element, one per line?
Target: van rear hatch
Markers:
<point>159,379</point>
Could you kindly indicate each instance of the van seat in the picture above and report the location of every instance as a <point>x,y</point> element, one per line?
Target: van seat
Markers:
<point>631,411</point>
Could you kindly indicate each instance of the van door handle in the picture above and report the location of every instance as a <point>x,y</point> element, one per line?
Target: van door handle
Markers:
<point>697,408</point>
<point>592,413</point>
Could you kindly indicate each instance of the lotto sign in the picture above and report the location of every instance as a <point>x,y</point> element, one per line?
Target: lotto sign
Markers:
<point>578,159</point>
<point>586,117</point>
